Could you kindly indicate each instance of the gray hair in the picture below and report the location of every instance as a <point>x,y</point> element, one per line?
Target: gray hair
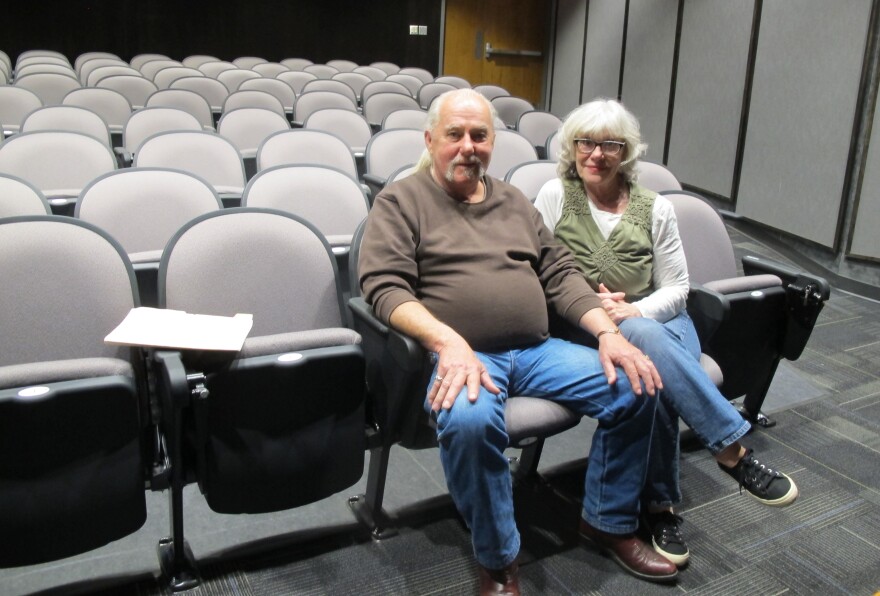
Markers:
<point>600,117</point>
<point>433,117</point>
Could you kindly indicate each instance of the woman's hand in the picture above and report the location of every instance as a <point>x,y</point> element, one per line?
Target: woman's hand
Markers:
<point>616,306</point>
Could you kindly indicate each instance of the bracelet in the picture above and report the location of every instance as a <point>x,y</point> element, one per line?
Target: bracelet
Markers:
<point>615,331</point>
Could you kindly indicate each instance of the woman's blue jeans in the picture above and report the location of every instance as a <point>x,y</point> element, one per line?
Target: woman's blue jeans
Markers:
<point>687,393</point>
<point>473,438</point>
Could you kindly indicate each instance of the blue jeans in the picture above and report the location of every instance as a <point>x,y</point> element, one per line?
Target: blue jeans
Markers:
<point>473,438</point>
<point>687,392</point>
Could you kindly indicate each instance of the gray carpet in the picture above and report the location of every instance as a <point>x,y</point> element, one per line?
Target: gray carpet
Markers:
<point>827,405</point>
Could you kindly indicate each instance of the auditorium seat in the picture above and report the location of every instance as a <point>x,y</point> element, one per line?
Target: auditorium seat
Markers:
<point>20,197</point>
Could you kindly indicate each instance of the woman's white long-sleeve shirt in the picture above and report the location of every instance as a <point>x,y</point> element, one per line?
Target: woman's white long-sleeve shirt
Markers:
<point>670,275</point>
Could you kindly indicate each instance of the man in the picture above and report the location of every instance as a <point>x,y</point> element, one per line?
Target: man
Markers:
<point>463,263</point>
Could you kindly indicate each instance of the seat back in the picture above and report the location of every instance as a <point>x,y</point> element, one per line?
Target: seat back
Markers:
<point>15,104</point>
<point>70,417</point>
<point>388,150</point>
<point>188,101</point>
<point>343,65</point>
<point>333,85</point>
<point>707,247</point>
<point>375,74</point>
<point>87,56</point>
<point>552,146</point>
<point>457,82</point>
<point>135,89</point>
<point>389,68</point>
<point>69,118</point>
<point>143,207</point>
<point>536,126</point>
<point>247,128</point>
<point>274,87</point>
<point>322,71</point>
<point>430,91</point>
<point>110,105</point>
<point>351,127</point>
<point>406,118</point>
<point>150,68</point>
<point>378,106</point>
<point>306,146</point>
<point>89,67</point>
<point>20,197</point>
<point>328,198</point>
<point>296,79</point>
<point>531,176</point>
<point>103,72</point>
<point>146,122</point>
<point>312,101</point>
<point>233,78</point>
<point>140,59</point>
<point>376,87</point>
<point>49,87</point>
<point>511,108</point>
<point>59,163</point>
<point>296,64</point>
<point>214,92</point>
<point>269,69</point>
<point>207,155</point>
<point>253,99</point>
<point>355,80</point>
<point>490,92</point>
<point>511,149</point>
<point>421,74</point>
<point>166,76</point>
<point>656,177</point>
<point>248,62</point>
<point>412,84</point>
<point>197,60</point>
<point>214,68</point>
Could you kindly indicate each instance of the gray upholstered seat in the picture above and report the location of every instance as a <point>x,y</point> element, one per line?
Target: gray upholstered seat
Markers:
<point>281,423</point>
<point>72,414</point>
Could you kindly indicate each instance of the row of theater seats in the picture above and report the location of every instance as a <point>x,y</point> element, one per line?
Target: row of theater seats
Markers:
<point>354,114</point>
<point>87,427</point>
<point>286,421</point>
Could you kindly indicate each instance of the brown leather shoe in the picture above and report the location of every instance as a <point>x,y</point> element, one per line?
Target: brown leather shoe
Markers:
<point>502,582</point>
<point>631,553</point>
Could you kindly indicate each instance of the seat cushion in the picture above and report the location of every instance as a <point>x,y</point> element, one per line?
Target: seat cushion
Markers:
<point>528,417</point>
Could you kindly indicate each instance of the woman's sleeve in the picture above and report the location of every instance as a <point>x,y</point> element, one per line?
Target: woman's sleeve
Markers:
<point>670,276</point>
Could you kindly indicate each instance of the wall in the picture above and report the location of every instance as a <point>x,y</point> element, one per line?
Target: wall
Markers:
<point>763,106</point>
<point>272,29</point>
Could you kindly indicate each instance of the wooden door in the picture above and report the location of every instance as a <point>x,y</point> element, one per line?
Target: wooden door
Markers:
<point>509,26</point>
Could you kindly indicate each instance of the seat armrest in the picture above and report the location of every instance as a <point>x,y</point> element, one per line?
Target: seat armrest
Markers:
<point>172,385</point>
<point>707,309</point>
<point>397,376</point>
<point>754,265</point>
<point>374,184</point>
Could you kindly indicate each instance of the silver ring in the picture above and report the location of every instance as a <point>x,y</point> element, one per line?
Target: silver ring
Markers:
<point>438,379</point>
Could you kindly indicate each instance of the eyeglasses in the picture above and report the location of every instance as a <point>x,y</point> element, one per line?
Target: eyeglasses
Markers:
<point>587,146</point>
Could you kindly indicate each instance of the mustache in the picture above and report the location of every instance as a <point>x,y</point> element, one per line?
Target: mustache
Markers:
<point>470,160</point>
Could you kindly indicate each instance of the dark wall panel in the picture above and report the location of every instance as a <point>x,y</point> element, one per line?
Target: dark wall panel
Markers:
<point>273,29</point>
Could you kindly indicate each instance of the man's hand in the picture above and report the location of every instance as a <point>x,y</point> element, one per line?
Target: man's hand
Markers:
<point>616,351</point>
<point>458,367</point>
<point>616,306</point>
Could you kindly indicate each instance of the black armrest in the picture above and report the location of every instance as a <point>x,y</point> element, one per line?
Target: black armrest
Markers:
<point>375,184</point>
<point>397,376</point>
<point>754,265</point>
<point>707,309</point>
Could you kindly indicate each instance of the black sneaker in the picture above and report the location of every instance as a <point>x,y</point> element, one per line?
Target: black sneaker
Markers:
<point>768,486</point>
<point>665,529</point>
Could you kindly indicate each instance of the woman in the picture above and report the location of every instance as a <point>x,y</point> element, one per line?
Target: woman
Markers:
<point>625,239</point>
